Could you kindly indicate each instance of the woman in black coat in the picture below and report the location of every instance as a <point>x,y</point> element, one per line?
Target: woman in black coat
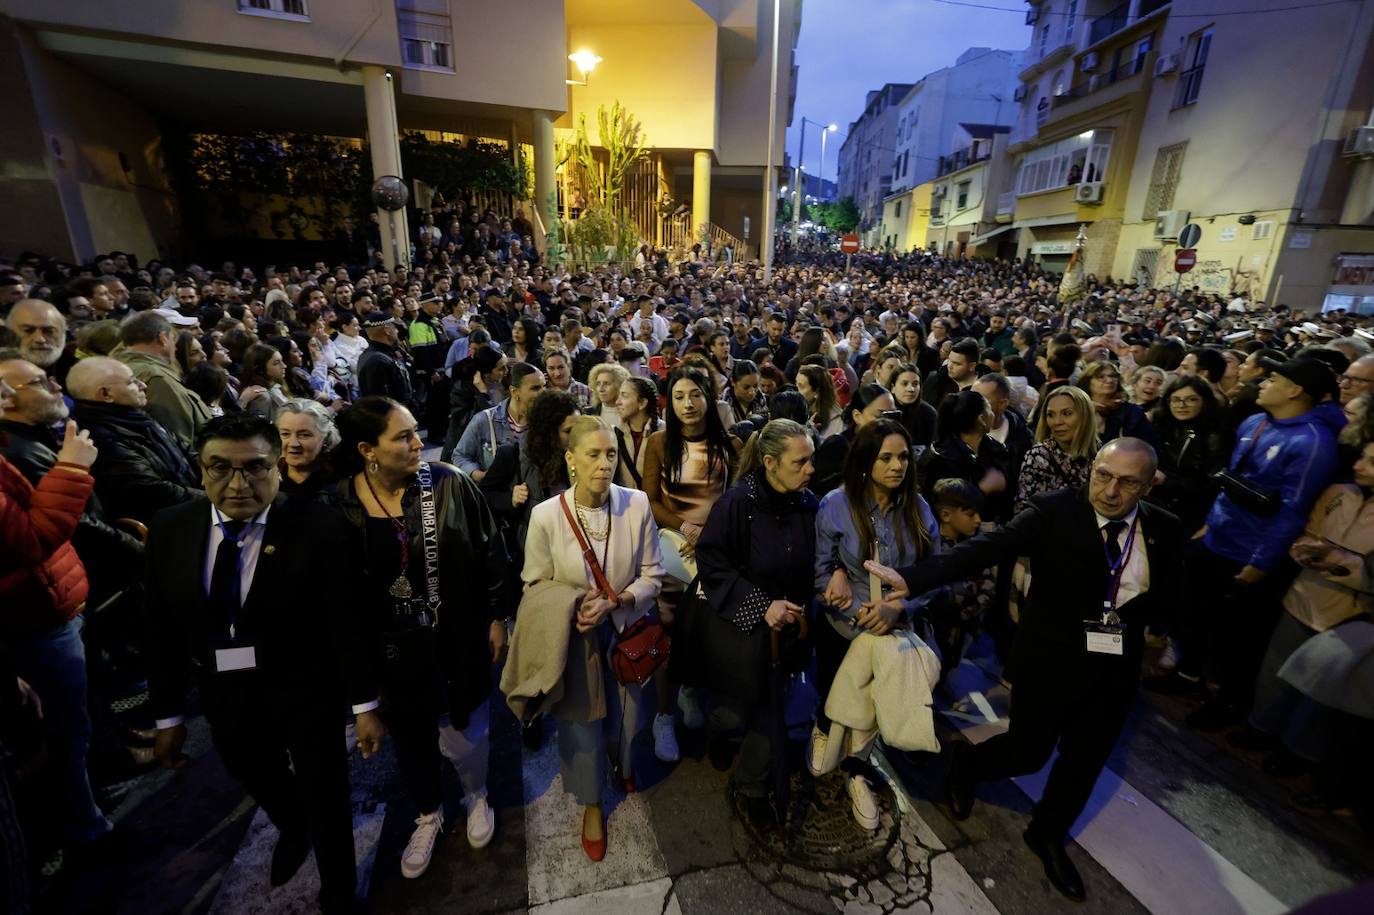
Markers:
<point>1195,442</point>
<point>754,560</point>
<point>437,617</point>
<point>1117,417</point>
<point>965,451</point>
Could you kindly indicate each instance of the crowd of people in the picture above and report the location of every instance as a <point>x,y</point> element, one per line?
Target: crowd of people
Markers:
<point>663,488</point>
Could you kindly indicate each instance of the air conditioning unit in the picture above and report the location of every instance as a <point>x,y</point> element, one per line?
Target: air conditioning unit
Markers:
<point>1359,143</point>
<point>1033,15</point>
<point>1167,63</point>
<point>1020,94</point>
<point>1168,223</point>
<point>1089,62</point>
<point>1088,193</point>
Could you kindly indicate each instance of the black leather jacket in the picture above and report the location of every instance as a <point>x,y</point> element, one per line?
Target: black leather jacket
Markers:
<point>472,568</point>
<point>142,468</point>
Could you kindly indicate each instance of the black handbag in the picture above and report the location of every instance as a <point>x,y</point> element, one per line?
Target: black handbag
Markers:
<point>1244,492</point>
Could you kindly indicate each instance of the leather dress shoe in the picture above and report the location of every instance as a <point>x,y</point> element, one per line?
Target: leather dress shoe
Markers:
<point>1059,869</point>
<point>959,782</point>
<point>289,855</point>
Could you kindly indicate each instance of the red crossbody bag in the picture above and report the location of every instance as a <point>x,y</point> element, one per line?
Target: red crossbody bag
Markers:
<point>644,646</point>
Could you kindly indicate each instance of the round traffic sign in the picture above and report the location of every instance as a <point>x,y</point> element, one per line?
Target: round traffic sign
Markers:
<point>1185,260</point>
<point>849,244</point>
<point>1190,235</point>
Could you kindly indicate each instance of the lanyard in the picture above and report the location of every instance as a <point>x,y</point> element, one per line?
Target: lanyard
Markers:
<point>1116,570</point>
<point>241,541</point>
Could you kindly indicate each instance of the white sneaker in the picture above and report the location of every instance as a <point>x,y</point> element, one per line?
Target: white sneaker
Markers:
<point>665,739</point>
<point>863,803</point>
<point>692,717</point>
<point>415,859</point>
<point>481,820</point>
<point>1168,658</point>
<point>815,752</point>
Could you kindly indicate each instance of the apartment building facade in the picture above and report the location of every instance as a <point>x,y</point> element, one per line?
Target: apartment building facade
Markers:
<point>97,83</point>
<point>866,156</point>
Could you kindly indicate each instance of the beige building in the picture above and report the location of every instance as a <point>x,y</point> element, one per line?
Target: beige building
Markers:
<point>1138,118</point>
<point>1254,133</point>
<point>98,85</point>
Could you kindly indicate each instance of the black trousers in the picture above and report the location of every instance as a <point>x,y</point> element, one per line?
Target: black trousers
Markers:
<point>1227,625</point>
<point>415,699</point>
<point>262,733</point>
<point>831,648</point>
<point>1083,717</point>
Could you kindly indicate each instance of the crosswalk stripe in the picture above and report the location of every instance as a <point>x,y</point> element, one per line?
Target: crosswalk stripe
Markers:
<point>1154,856</point>
<point>246,889</point>
<point>556,864</point>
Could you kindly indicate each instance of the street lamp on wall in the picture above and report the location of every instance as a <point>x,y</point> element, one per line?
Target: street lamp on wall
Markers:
<point>586,62</point>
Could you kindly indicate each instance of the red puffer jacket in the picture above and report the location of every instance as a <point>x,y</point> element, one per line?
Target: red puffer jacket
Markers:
<point>42,581</point>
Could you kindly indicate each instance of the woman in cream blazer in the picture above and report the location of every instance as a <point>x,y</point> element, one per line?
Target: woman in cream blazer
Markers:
<point>618,525</point>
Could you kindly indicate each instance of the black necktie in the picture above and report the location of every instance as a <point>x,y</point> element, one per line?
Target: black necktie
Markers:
<point>1113,530</point>
<point>224,578</point>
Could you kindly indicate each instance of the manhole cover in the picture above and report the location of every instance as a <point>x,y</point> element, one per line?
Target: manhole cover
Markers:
<point>821,833</point>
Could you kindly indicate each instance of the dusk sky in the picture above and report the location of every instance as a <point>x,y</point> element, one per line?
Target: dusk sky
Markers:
<point>850,46</point>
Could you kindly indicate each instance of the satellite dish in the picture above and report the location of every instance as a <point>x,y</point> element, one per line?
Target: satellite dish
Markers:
<point>390,193</point>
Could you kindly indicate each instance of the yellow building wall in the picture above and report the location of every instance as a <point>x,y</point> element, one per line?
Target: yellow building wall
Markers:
<point>1240,264</point>
<point>664,74</point>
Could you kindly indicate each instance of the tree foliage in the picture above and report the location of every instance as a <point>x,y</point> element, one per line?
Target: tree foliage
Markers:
<point>842,216</point>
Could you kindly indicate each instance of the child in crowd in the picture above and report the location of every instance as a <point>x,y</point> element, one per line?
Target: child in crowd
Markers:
<point>956,615</point>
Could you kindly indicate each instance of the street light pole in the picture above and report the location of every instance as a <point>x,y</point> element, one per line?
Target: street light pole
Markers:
<point>820,174</point>
<point>797,205</point>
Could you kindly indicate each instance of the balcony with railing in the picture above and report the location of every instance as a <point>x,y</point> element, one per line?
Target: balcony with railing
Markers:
<point>1115,20</point>
<point>1103,88</point>
<point>963,158</point>
<point>1096,82</point>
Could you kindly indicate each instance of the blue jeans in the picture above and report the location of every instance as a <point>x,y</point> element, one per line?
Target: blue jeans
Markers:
<point>54,664</point>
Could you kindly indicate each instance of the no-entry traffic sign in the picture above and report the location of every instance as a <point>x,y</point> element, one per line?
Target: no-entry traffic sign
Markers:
<point>849,244</point>
<point>1185,259</point>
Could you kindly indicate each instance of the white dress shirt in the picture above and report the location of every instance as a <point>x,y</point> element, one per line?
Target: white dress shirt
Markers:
<point>1135,577</point>
<point>250,541</point>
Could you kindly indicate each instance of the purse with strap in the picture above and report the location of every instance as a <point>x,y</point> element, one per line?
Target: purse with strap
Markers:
<point>644,645</point>
<point>1243,491</point>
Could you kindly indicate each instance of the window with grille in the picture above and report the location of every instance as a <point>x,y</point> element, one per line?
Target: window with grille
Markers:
<point>426,33</point>
<point>1143,271</point>
<point>294,8</point>
<point>961,199</point>
<point>1164,179</point>
<point>1262,230</point>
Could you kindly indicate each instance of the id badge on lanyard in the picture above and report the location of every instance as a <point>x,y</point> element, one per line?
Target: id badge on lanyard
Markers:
<point>1108,635</point>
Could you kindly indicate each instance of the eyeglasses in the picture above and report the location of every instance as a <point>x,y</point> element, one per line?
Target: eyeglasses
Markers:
<point>252,473</point>
<point>1106,478</point>
<point>42,381</point>
<point>1185,401</point>
<point>1354,379</point>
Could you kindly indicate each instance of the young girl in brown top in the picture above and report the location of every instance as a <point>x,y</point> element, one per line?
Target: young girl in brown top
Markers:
<point>687,467</point>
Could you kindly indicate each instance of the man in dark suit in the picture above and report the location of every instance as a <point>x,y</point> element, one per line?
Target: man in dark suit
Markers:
<point>1104,564</point>
<point>247,600</point>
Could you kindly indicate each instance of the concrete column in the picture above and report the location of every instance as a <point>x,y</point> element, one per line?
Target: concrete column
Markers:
<point>545,189</point>
<point>384,138</point>
<point>701,192</point>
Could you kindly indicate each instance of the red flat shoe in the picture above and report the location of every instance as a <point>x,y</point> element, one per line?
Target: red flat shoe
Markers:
<point>595,850</point>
